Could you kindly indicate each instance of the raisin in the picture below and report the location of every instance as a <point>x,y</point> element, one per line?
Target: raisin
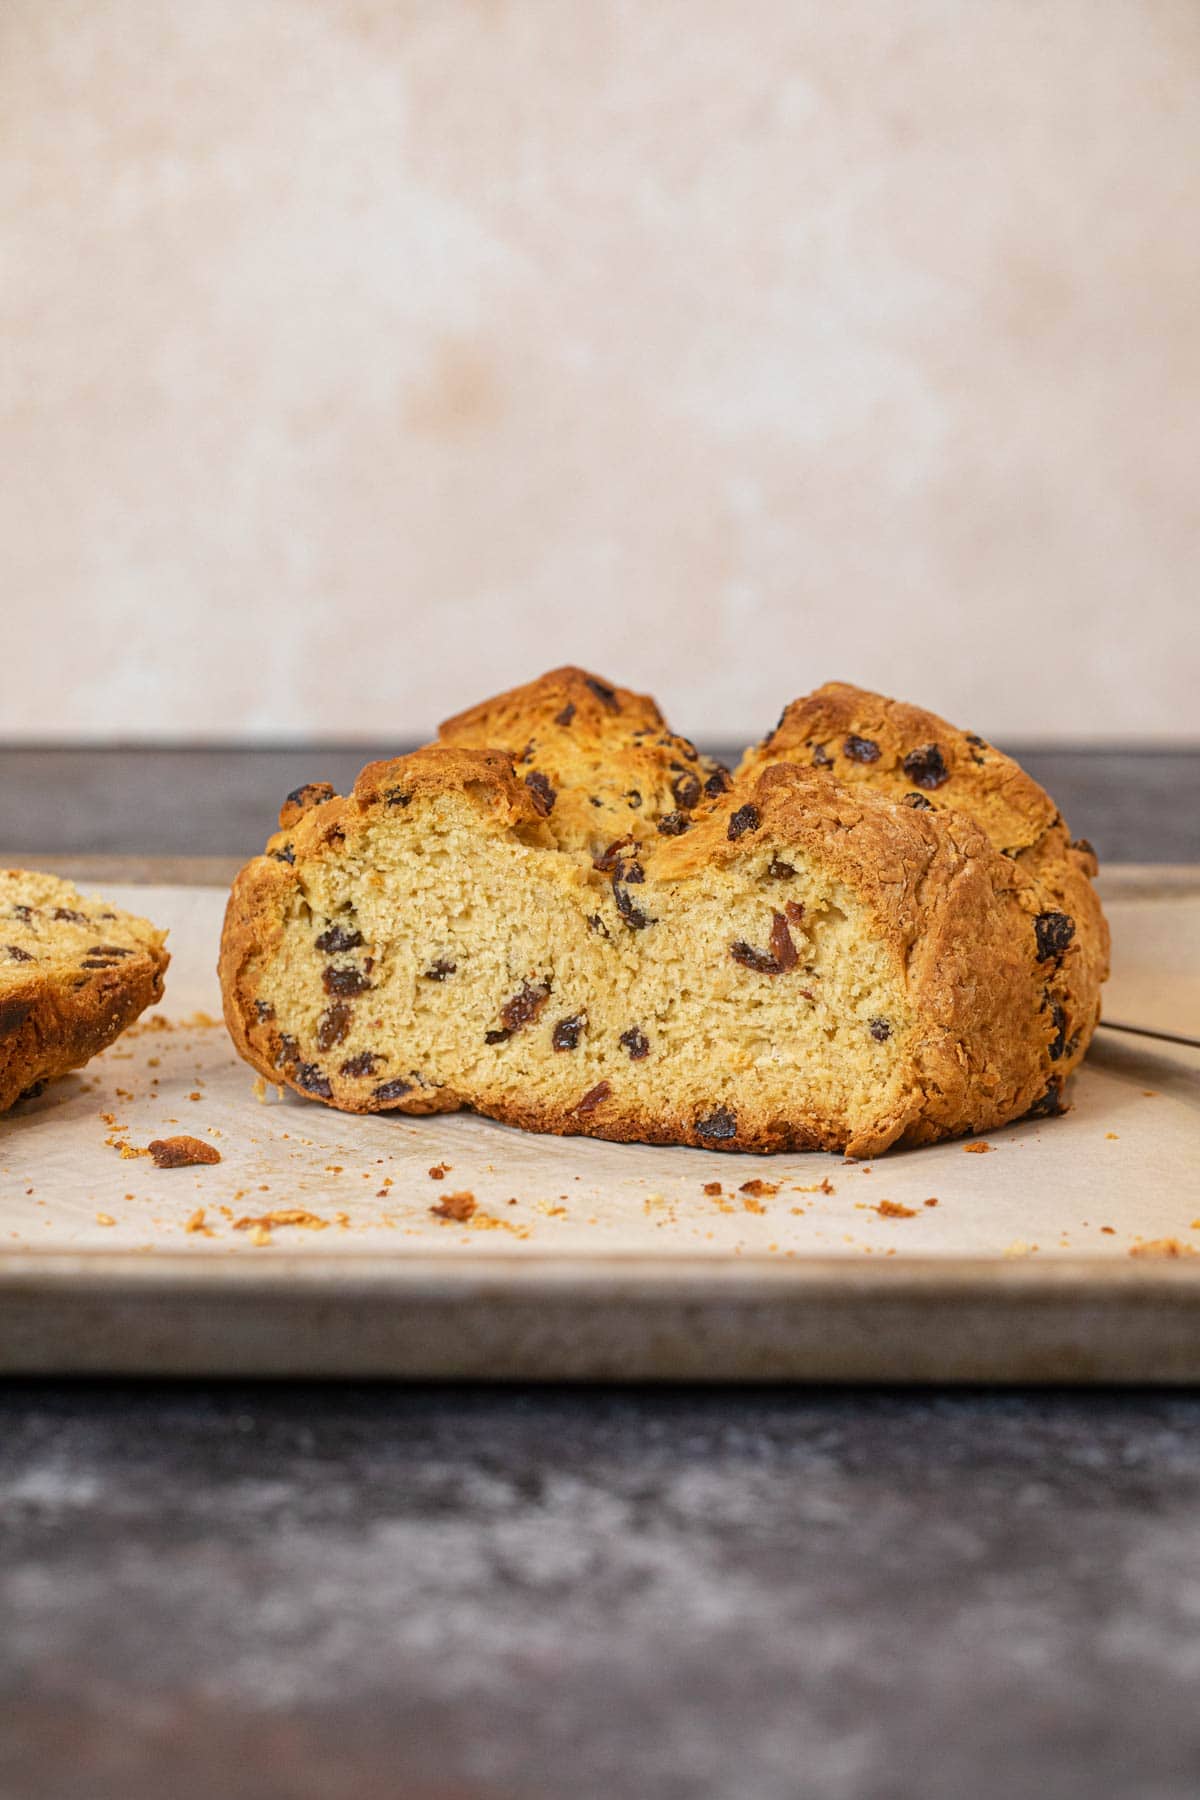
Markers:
<point>636,1042</point>
<point>634,798</point>
<point>778,960</point>
<point>595,1097</point>
<point>333,1025</point>
<point>19,955</point>
<point>337,938</point>
<point>13,1014</point>
<point>608,859</point>
<point>759,960</point>
<point>782,947</point>
<point>566,715</point>
<point>362,1064</point>
<point>25,913</point>
<point>630,871</point>
<point>821,758</point>
<point>686,789</point>
<point>880,1029</point>
<point>392,1090</point>
<point>673,824</point>
<point>604,694</point>
<point>795,911</point>
<point>861,749</point>
<point>265,1011</point>
<point>719,782</point>
<point>313,1080</point>
<point>541,793</point>
<point>1058,1042</point>
<point>89,962</point>
<point>286,855</point>
<point>718,1124</point>
<point>632,915</point>
<point>312,793</point>
<point>496,1037</point>
<point>107,950</point>
<point>918,802</point>
<point>1049,1106</point>
<point>596,923</point>
<point>524,1006</point>
<point>395,796</point>
<point>440,970</point>
<point>527,753</point>
<point>746,818</point>
<point>66,914</point>
<point>1084,844</point>
<point>344,982</point>
<point>1054,932</point>
<point>926,766</point>
<point>289,1050</point>
<point>779,870</point>
<point>972,738</point>
<point>565,1035</point>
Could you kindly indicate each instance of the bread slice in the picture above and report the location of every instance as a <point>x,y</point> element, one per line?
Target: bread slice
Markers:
<point>564,917</point>
<point>74,972</point>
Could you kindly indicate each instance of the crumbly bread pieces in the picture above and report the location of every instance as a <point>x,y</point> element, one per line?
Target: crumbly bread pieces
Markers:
<point>799,959</point>
<point>74,972</point>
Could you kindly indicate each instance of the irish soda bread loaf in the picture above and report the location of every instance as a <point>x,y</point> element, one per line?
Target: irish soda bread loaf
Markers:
<point>877,932</point>
<point>74,973</point>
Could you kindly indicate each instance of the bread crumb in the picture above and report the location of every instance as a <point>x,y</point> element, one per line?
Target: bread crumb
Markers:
<point>181,1152</point>
<point>824,1186</point>
<point>1111,1135</point>
<point>931,1202</point>
<point>1164,1247</point>
<point>458,1207</point>
<point>755,1186</point>
<point>751,1205</point>
<point>892,1209</point>
<point>1109,1230</point>
<point>712,1187</point>
<point>105,1219</point>
<point>440,1170</point>
<point>978,1149</point>
<point>196,1224</point>
<point>291,1215</point>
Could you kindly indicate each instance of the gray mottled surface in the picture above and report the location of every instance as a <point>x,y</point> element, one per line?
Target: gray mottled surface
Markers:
<point>359,1592</point>
<point>338,1593</point>
<point>1135,805</point>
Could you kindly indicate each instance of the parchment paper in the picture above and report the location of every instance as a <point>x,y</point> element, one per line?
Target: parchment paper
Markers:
<point>1122,1169</point>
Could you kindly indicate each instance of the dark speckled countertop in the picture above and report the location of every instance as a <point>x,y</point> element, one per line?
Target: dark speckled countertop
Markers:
<point>316,1592</point>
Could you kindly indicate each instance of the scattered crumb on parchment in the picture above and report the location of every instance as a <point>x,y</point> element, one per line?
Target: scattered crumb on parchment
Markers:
<point>105,1219</point>
<point>1019,1247</point>
<point>977,1149</point>
<point>893,1209</point>
<point>181,1152</point>
<point>932,1201</point>
<point>1163,1247</point>
<point>440,1171</point>
<point>712,1187</point>
<point>824,1186</point>
<point>196,1225</point>
<point>456,1207</point>
<point>1113,1136</point>
<point>758,1188</point>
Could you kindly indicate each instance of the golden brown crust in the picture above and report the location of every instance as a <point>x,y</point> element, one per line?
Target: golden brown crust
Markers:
<point>74,973</point>
<point>977,899</point>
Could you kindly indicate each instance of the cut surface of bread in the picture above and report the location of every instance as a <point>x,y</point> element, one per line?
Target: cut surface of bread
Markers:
<point>562,916</point>
<point>74,972</point>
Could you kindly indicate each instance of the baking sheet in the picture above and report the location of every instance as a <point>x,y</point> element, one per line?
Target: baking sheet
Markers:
<point>102,1249</point>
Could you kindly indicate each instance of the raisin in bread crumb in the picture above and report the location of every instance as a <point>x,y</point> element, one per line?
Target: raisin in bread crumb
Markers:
<point>74,972</point>
<point>499,922</point>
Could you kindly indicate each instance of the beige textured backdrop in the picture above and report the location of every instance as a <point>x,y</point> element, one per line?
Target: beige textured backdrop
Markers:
<point>362,357</point>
